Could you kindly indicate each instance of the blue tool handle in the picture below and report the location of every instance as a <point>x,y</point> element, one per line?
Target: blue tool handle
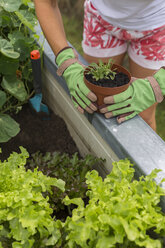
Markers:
<point>36,69</point>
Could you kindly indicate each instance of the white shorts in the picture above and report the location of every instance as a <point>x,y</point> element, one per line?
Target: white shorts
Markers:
<point>102,39</point>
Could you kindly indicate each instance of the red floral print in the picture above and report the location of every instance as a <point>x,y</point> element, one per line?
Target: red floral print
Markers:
<point>100,34</point>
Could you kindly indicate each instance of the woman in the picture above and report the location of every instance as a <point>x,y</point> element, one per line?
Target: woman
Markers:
<point>110,26</point>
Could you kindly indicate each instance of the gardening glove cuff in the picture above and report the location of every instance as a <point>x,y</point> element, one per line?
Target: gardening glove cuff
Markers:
<point>157,83</point>
<point>156,88</point>
<point>65,58</point>
<point>160,78</point>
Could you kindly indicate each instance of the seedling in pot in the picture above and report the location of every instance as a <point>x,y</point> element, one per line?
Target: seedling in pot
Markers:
<point>102,70</point>
<point>106,79</point>
<point>106,74</point>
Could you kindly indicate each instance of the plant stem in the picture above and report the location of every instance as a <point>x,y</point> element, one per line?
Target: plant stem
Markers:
<point>69,210</point>
<point>18,104</point>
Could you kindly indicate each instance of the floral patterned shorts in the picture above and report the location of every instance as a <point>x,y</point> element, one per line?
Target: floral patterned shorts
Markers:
<point>101,39</point>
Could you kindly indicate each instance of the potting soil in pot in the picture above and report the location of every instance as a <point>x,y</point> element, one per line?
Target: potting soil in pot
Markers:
<point>37,134</point>
<point>119,80</point>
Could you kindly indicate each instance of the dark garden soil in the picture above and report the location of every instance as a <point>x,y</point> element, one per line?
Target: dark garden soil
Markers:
<point>39,135</point>
<point>119,80</point>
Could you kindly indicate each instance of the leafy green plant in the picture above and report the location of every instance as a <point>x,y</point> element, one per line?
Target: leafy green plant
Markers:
<point>25,215</point>
<point>70,169</point>
<point>121,213</point>
<point>17,40</point>
<point>102,70</point>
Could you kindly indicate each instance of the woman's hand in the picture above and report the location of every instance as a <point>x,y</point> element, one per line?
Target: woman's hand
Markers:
<point>72,70</point>
<point>140,95</point>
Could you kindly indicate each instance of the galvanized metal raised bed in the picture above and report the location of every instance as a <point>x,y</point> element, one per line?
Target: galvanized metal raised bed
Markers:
<point>94,134</point>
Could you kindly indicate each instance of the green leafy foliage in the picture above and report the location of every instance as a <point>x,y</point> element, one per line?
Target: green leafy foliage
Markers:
<point>25,215</point>
<point>102,70</point>
<point>8,127</point>
<point>9,5</point>
<point>121,213</point>
<point>7,49</point>
<point>70,169</point>
<point>17,40</point>
<point>14,87</point>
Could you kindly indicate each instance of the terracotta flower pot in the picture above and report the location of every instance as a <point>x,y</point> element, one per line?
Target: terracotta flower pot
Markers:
<point>102,92</point>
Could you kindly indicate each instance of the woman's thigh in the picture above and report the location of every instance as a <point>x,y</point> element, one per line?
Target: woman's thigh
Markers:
<point>116,59</point>
<point>139,71</point>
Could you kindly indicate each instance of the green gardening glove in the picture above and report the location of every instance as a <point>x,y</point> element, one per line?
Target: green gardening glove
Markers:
<point>72,70</point>
<point>140,95</point>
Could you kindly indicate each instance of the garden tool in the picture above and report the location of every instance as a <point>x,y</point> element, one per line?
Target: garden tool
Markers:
<point>36,101</point>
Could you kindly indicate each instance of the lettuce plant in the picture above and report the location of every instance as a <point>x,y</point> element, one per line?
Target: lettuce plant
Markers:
<point>25,215</point>
<point>17,40</point>
<point>121,213</point>
<point>70,169</point>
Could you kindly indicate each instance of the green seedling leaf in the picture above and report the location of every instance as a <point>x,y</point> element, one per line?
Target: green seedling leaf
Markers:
<point>8,66</point>
<point>102,70</point>
<point>10,5</point>
<point>7,49</point>
<point>8,128</point>
<point>15,87</point>
<point>2,98</point>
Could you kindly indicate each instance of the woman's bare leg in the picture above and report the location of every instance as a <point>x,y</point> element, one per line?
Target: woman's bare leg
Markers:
<point>138,71</point>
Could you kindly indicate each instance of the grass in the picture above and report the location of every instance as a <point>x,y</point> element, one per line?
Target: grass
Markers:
<point>160,119</point>
<point>74,29</point>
